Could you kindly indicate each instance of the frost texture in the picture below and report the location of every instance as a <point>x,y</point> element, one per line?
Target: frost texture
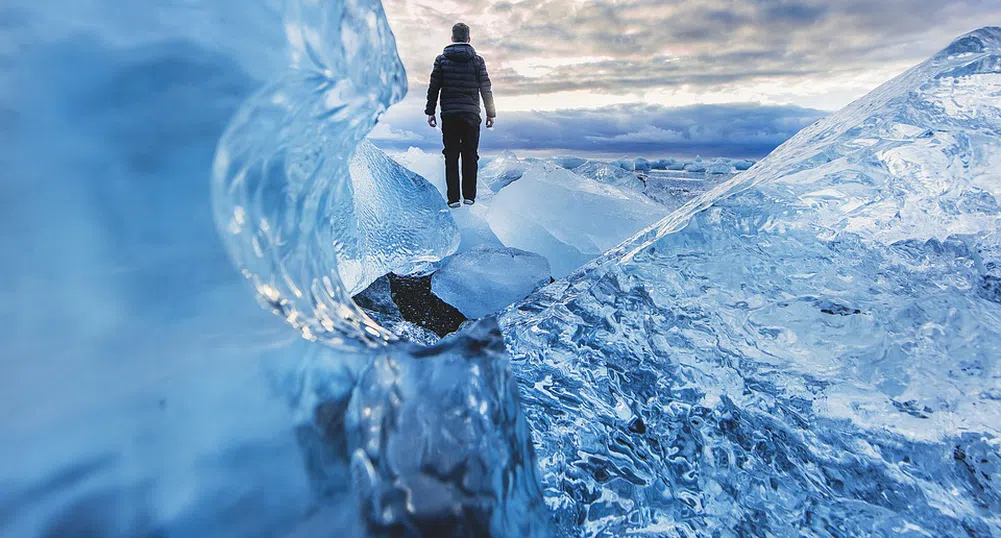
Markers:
<point>807,349</point>
<point>486,280</point>
<point>303,229</point>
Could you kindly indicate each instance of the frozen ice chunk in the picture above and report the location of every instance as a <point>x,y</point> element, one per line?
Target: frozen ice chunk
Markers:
<point>828,317</point>
<point>610,174</point>
<point>430,166</point>
<point>567,217</point>
<point>719,166</point>
<point>697,165</point>
<point>625,163</point>
<point>641,164</point>
<point>567,161</point>
<point>502,170</point>
<point>402,220</point>
<point>742,164</point>
<point>445,429</point>
<point>424,441</point>
<point>662,164</point>
<point>485,280</point>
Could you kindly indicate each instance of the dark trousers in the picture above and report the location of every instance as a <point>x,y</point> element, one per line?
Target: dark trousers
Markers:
<point>460,133</point>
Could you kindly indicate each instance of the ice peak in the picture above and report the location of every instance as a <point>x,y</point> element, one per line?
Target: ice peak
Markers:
<point>977,41</point>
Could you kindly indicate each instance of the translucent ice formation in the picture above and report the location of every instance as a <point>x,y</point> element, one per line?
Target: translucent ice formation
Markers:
<point>502,170</point>
<point>610,174</point>
<point>807,349</point>
<point>427,441</point>
<point>485,280</point>
<point>566,217</point>
<point>430,166</point>
<point>720,166</point>
<point>697,165</point>
<point>303,228</point>
<point>567,161</point>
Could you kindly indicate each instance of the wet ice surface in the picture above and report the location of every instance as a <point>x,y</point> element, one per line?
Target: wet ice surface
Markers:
<point>486,280</point>
<point>810,348</point>
<point>566,217</point>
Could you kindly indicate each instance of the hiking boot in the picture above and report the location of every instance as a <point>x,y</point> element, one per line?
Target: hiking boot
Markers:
<point>453,205</point>
<point>469,201</point>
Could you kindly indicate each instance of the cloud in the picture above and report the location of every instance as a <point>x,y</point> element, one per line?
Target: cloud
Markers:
<point>720,46</point>
<point>733,130</point>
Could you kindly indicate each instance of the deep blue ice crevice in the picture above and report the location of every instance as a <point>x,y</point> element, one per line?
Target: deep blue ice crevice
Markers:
<point>307,219</point>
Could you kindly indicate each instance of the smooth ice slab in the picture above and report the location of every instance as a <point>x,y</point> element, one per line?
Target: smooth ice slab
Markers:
<point>566,217</point>
<point>486,280</point>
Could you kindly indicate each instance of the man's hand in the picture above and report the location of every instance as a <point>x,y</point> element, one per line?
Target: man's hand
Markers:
<point>432,121</point>
<point>490,123</point>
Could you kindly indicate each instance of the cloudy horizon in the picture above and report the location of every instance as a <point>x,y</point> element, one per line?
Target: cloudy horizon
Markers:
<point>731,77</point>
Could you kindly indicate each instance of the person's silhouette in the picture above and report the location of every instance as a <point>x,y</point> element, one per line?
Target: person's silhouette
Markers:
<point>460,77</point>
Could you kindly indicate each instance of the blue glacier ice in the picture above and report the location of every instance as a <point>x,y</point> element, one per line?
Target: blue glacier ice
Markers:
<point>143,393</point>
<point>502,170</point>
<point>810,348</point>
<point>485,280</point>
<point>610,174</point>
<point>566,217</point>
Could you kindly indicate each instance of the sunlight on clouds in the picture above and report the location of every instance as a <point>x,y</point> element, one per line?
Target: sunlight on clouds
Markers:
<point>540,67</point>
<point>563,54</point>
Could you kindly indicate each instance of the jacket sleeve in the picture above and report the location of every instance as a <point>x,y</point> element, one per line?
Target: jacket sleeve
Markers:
<point>433,88</point>
<point>486,91</point>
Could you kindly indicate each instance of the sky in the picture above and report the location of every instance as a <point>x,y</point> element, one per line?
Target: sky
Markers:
<point>667,78</point>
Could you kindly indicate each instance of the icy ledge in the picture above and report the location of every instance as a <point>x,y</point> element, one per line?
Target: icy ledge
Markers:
<point>808,349</point>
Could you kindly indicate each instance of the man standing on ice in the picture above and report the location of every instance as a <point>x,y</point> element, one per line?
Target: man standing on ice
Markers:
<point>460,75</point>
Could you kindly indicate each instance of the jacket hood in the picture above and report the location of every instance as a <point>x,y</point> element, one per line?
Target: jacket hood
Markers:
<point>460,52</point>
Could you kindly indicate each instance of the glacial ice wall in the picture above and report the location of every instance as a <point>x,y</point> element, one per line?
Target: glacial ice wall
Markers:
<point>809,348</point>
